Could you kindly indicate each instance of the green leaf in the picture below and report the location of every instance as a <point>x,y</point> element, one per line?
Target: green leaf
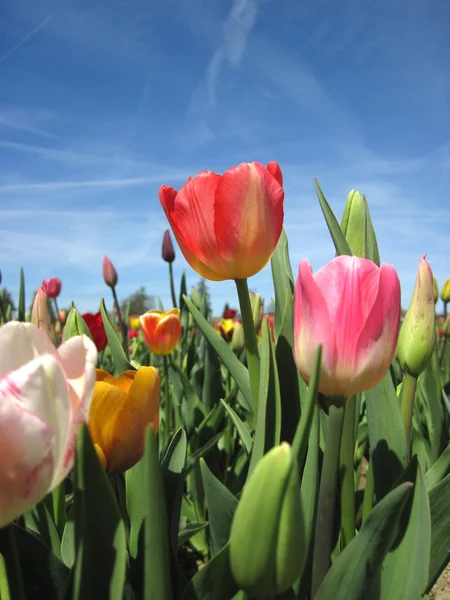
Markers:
<point>221,506</point>
<point>135,500</point>
<point>358,228</point>
<point>38,519</point>
<point>188,530</point>
<point>242,430</point>
<point>157,557</point>
<point>68,540</point>
<point>121,363</point>
<point>43,574</point>
<point>214,581</point>
<point>386,435</point>
<point>283,280</point>
<point>439,470</point>
<point>188,389</point>
<point>212,380</point>
<point>233,364</point>
<point>428,398</point>
<point>440,530</point>
<point>339,241</point>
<point>358,566</point>
<point>12,573</point>
<point>406,566</point>
<point>100,542</point>
<point>21,308</point>
<point>268,425</point>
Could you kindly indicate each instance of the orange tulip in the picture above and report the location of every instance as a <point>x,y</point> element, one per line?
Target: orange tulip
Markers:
<point>162,330</point>
<point>227,226</point>
<point>122,408</point>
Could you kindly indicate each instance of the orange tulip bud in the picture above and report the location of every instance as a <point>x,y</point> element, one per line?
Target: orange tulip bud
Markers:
<point>122,408</point>
<point>162,330</point>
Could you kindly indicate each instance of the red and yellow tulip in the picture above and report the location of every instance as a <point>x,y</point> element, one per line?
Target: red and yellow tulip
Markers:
<point>162,330</point>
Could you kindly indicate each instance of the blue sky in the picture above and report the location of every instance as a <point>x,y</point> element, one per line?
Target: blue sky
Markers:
<point>102,101</point>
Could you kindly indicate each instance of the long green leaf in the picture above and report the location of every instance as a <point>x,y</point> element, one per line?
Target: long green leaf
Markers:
<point>21,309</point>
<point>358,566</point>
<point>214,581</point>
<point>439,470</point>
<point>233,364</point>
<point>242,430</point>
<point>386,435</point>
<point>100,559</point>
<point>339,241</point>
<point>221,506</point>
<point>157,558</point>
<point>283,280</point>
<point>136,501</point>
<point>121,363</point>
<point>440,530</point>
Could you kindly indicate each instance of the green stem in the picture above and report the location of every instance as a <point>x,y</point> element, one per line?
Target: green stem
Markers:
<point>445,310</point>
<point>4,587</point>
<point>251,341</point>
<point>59,508</point>
<point>347,461</point>
<point>3,316</point>
<point>442,352</point>
<point>368,492</point>
<point>408,393</point>
<point>58,319</point>
<point>10,554</point>
<point>326,508</point>
<point>167,403</point>
<point>122,326</point>
<point>172,286</point>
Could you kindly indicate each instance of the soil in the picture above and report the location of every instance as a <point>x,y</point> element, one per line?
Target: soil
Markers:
<point>441,589</point>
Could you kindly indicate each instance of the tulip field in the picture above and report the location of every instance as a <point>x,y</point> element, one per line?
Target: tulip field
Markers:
<point>301,453</point>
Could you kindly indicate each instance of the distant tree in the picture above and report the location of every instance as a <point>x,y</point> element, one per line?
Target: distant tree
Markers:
<point>270,307</point>
<point>140,302</point>
<point>7,299</point>
<point>203,291</point>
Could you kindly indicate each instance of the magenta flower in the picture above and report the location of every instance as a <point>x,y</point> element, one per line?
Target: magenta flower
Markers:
<point>52,287</point>
<point>352,308</point>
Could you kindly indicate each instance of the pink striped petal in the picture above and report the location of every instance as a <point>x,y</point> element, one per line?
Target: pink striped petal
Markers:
<point>24,342</point>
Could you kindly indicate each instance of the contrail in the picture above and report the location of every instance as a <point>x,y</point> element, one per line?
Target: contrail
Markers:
<point>25,39</point>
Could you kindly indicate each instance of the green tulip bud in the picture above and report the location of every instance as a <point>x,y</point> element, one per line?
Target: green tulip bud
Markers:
<point>445,292</point>
<point>435,289</point>
<point>357,227</point>
<point>237,338</point>
<point>257,304</point>
<point>267,533</point>
<point>75,325</point>
<point>418,332</point>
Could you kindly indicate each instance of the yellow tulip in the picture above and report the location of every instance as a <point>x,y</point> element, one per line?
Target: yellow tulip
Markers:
<point>122,408</point>
<point>162,330</point>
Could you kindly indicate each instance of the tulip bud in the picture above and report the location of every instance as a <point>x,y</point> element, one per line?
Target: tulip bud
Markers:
<point>418,331</point>
<point>357,226</point>
<point>52,287</point>
<point>109,273</point>
<point>196,298</point>
<point>446,327</point>
<point>162,330</point>
<point>168,253</point>
<point>40,314</point>
<point>257,310</point>
<point>445,292</point>
<point>75,325</point>
<point>435,290</point>
<point>267,529</point>
<point>237,338</point>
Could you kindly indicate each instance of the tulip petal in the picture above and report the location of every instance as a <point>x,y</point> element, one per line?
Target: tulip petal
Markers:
<point>167,334</point>
<point>248,219</point>
<point>25,342</point>
<point>34,428</point>
<point>312,327</point>
<point>274,169</point>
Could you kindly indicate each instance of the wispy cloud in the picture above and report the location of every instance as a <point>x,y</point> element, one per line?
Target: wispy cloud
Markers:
<point>25,39</point>
<point>27,120</point>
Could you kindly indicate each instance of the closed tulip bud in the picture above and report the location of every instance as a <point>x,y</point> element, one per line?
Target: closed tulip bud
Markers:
<point>196,298</point>
<point>435,290</point>
<point>257,310</point>
<point>168,253</point>
<point>162,330</point>
<point>75,325</point>
<point>122,408</point>
<point>237,338</point>
<point>109,273</point>
<point>445,292</point>
<point>352,308</point>
<point>267,528</point>
<point>357,226</point>
<point>418,331</point>
<point>40,314</point>
<point>52,287</point>
<point>227,226</point>
<point>45,394</point>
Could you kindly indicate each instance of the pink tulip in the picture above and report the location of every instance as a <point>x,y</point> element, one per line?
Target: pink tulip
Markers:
<point>352,308</point>
<point>109,273</point>
<point>45,394</point>
<point>52,287</point>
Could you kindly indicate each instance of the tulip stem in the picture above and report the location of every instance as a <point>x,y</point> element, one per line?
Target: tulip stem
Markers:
<point>326,508</point>
<point>408,392</point>
<point>59,507</point>
<point>122,326</point>
<point>442,353</point>
<point>58,319</point>
<point>368,492</point>
<point>167,404</point>
<point>172,286</point>
<point>251,341</point>
<point>347,461</point>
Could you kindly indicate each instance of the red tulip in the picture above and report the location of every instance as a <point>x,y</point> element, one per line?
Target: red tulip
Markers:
<point>227,226</point>
<point>352,308</point>
<point>109,273</point>
<point>97,329</point>
<point>229,313</point>
<point>52,287</point>
<point>132,333</point>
